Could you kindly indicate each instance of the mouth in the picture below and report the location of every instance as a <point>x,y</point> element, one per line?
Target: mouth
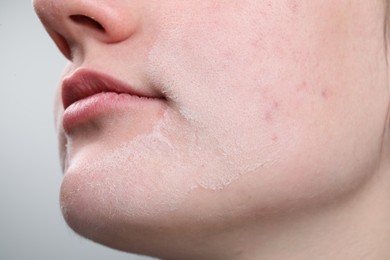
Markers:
<point>85,83</point>
<point>88,94</point>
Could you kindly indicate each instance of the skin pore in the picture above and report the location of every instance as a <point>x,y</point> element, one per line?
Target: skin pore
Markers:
<point>266,138</point>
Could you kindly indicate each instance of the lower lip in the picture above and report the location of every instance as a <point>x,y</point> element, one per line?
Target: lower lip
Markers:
<point>101,104</point>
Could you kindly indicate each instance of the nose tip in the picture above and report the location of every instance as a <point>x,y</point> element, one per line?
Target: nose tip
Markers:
<point>72,22</point>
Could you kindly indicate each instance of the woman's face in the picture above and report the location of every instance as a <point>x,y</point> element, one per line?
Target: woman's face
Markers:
<point>255,108</point>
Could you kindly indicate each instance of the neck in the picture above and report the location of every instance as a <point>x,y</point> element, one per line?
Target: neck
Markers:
<point>356,227</point>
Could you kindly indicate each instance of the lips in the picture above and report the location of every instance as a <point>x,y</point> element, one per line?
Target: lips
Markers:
<point>84,83</point>
<point>89,95</point>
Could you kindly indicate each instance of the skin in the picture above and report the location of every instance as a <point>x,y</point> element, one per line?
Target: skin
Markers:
<point>271,140</point>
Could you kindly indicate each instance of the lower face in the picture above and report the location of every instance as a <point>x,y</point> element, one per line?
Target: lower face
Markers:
<point>266,111</point>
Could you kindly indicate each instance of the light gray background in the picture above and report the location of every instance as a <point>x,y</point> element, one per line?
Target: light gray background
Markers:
<point>31,225</point>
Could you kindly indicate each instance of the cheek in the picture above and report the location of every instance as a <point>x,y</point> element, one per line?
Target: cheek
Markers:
<point>229,88</point>
<point>279,112</point>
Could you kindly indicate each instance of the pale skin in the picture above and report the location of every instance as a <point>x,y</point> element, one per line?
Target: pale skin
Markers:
<point>268,137</point>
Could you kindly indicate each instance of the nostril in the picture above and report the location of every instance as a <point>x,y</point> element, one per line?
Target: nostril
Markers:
<point>62,44</point>
<point>87,21</point>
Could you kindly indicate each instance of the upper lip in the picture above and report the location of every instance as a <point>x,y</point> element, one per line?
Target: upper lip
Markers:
<point>84,83</point>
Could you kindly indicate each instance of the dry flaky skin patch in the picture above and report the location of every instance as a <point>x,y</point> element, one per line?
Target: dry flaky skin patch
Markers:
<point>154,173</point>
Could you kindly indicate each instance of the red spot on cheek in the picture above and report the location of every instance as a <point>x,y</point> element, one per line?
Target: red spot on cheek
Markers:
<point>301,87</point>
<point>293,5</point>
<point>255,43</point>
<point>326,93</point>
<point>268,116</point>
<point>270,113</point>
<point>275,105</point>
<point>275,138</point>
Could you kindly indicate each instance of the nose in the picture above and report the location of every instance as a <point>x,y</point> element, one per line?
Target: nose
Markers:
<point>72,24</point>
